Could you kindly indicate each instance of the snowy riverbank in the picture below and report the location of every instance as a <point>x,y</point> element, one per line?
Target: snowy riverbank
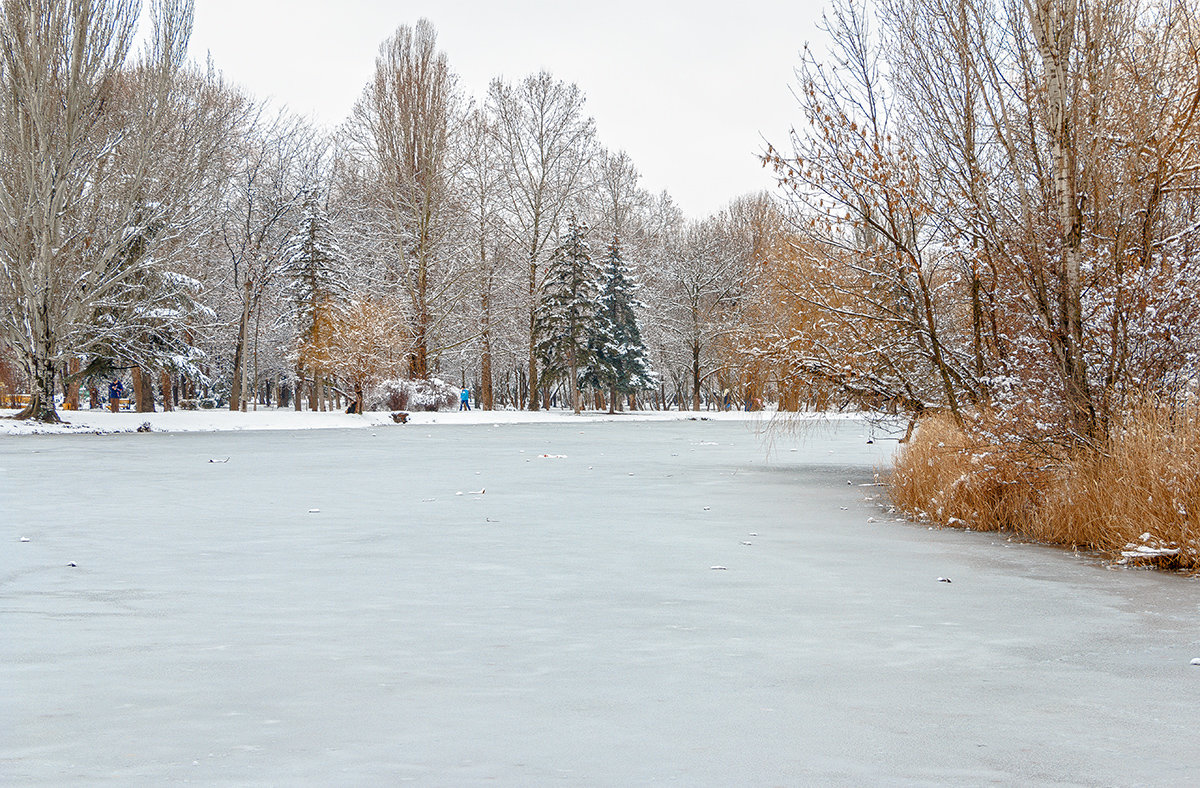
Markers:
<point>104,422</point>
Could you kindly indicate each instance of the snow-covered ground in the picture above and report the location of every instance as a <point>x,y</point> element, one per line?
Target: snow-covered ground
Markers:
<point>522,604</point>
<point>217,420</point>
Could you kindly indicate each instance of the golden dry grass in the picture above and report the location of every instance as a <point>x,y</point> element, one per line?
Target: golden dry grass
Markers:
<point>1138,498</point>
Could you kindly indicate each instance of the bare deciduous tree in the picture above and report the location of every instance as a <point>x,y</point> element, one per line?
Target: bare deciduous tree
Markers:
<point>695,290</point>
<point>996,195</point>
<point>277,164</point>
<point>546,144</point>
<point>101,160</point>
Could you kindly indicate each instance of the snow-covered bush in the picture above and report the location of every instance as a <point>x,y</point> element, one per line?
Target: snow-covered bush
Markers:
<point>419,395</point>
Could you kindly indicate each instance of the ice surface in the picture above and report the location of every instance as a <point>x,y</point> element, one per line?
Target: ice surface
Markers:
<point>566,626</point>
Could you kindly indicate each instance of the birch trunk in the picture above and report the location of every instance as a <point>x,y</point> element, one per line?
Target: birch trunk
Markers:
<point>1053,23</point>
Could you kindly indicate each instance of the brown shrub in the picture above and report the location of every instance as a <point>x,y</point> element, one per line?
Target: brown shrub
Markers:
<point>1138,496</point>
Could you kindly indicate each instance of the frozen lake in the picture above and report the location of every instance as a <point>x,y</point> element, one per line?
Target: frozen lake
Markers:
<point>563,626</point>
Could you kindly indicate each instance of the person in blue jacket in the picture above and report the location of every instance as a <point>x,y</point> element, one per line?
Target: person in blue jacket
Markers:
<point>115,391</point>
<point>464,400</point>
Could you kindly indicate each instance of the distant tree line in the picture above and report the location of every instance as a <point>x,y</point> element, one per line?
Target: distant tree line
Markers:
<point>164,227</point>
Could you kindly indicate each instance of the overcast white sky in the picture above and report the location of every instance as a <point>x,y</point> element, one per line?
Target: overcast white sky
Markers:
<point>688,89</point>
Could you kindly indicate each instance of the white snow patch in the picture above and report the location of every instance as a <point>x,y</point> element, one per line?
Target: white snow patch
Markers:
<point>221,420</point>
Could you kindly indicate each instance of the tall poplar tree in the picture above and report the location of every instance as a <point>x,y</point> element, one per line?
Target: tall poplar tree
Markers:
<point>403,127</point>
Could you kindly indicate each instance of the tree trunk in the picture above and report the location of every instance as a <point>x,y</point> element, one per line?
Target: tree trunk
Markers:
<point>72,384</point>
<point>41,391</point>
<point>254,388</point>
<point>573,382</point>
<point>239,355</point>
<point>136,387</point>
<point>533,370</point>
<point>935,345</point>
<point>143,391</point>
<point>1054,30</point>
<point>419,360</point>
<point>485,360</point>
<point>167,386</point>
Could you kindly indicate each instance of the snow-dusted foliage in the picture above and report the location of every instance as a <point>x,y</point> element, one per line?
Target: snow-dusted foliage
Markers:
<point>264,201</point>
<point>417,395</point>
<point>617,354</point>
<point>695,298</point>
<point>314,271</point>
<point>402,133</point>
<point>994,221</point>
<point>567,316</point>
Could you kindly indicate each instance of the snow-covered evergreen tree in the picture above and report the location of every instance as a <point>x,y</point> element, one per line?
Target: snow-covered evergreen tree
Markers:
<point>315,273</point>
<point>565,320</point>
<point>616,350</point>
<point>315,270</point>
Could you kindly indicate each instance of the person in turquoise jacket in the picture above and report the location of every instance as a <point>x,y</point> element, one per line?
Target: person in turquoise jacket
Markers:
<point>464,400</point>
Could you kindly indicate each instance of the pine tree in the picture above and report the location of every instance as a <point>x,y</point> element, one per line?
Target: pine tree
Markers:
<point>616,349</point>
<point>565,319</point>
<point>316,276</point>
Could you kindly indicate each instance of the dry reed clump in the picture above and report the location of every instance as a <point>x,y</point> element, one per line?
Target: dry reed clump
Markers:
<point>945,476</point>
<point>1138,496</point>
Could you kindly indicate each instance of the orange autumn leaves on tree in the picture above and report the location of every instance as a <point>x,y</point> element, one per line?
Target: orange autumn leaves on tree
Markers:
<point>789,341</point>
<point>360,342</point>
